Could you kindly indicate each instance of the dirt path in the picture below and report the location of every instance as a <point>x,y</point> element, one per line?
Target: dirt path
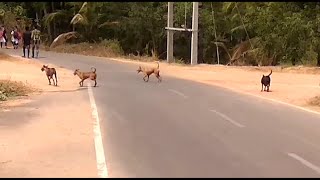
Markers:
<point>291,85</point>
<point>45,135</point>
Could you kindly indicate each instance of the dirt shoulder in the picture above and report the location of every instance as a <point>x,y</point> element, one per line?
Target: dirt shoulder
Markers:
<point>293,85</point>
<point>45,134</point>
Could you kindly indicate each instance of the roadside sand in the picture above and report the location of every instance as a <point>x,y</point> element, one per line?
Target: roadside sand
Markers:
<point>57,140</point>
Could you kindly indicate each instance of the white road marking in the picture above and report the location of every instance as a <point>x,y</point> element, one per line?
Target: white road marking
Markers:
<point>178,93</point>
<point>100,157</point>
<point>228,119</point>
<point>284,103</point>
<point>305,162</point>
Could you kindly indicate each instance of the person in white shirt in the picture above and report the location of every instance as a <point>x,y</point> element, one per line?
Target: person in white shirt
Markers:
<point>15,38</point>
<point>2,38</point>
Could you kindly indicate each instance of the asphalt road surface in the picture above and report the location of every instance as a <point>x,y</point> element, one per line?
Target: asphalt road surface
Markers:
<point>180,128</point>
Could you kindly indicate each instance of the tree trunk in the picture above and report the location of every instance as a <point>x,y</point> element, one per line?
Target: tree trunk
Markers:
<point>200,45</point>
<point>74,13</point>
<point>48,26</point>
<point>293,61</point>
<point>53,21</point>
<point>318,59</point>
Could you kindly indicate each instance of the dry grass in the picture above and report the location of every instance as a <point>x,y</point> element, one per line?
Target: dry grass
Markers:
<point>315,101</point>
<point>10,89</point>
<point>107,48</point>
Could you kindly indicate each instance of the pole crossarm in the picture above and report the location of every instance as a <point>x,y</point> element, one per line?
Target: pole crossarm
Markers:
<point>179,29</point>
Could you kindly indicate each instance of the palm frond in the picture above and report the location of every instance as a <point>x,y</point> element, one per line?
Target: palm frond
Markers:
<point>108,24</point>
<point>2,12</point>
<point>221,44</point>
<point>51,16</point>
<point>235,16</point>
<point>241,27</point>
<point>227,6</point>
<point>84,8</point>
<point>62,38</point>
<point>256,50</point>
<point>78,19</point>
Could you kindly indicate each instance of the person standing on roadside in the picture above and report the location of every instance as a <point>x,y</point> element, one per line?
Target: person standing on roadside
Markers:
<point>35,36</point>
<point>15,38</point>
<point>26,38</point>
<point>5,36</point>
<point>2,38</point>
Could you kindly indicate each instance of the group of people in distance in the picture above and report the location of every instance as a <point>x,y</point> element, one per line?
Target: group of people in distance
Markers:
<point>28,38</point>
<point>15,37</point>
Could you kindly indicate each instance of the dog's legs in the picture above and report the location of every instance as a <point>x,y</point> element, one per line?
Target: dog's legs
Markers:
<point>268,88</point>
<point>261,87</point>
<point>159,78</point>
<point>95,83</point>
<point>148,78</point>
<point>80,83</point>
<point>144,78</point>
<point>49,80</point>
<point>53,81</point>
<point>32,50</point>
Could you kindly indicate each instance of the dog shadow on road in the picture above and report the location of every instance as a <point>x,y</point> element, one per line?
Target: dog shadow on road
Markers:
<point>86,86</point>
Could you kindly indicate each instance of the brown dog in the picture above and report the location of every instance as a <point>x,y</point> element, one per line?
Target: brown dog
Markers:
<point>50,72</point>
<point>148,71</point>
<point>85,75</point>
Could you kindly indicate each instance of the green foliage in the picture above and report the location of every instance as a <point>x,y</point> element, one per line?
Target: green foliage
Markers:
<point>277,32</point>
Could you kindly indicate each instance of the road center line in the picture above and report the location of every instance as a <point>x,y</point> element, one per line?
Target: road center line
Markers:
<point>178,93</point>
<point>305,162</point>
<point>100,157</point>
<point>228,119</point>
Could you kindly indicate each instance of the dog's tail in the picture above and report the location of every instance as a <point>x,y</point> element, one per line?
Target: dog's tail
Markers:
<point>158,64</point>
<point>93,69</point>
<point>270,73</point>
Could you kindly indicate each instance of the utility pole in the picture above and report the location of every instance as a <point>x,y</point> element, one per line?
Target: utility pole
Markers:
<point>170,30</point>
<point>194,40</point>
<point>170,33</point>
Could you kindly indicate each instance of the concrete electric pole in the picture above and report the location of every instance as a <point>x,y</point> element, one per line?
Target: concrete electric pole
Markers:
<point>170,33</point>
<point>194,40</point>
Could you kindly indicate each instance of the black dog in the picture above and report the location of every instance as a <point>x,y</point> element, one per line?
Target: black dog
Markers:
<point>265,81</point>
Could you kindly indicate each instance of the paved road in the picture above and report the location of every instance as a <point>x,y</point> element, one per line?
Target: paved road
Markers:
<point>180,128</point>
